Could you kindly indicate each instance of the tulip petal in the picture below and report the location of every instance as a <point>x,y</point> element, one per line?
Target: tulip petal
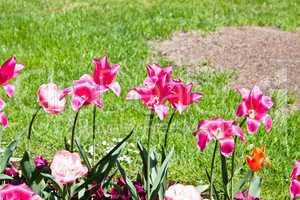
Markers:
<point>18,69</point>
<point>196,97</point>
<point>2,104</point>
<point>115,87</point>
<point>133,95</point>
<point>8,68</point>
<point>238,132</point>
<point>77,102</point>
<point>161,111</point>
<point>99,103</point>
<point>243,92</point>
<point>268,123</point>
<point>252,125</point>
<point>241,110</point>
<point>66,92</point>
<point>227,146</point>
<point>295,189</point>
<point>3,119</point>
<point>202,141</point>
<point>180,107</point>
<point>153,69</point>
<point>9,89</point>
<point>267,101</point>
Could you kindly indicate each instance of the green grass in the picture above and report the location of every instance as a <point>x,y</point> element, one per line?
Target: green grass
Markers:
<point>56,41</point>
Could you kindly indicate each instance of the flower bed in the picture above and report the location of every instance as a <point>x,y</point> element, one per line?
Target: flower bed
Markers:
<point>72,174</point>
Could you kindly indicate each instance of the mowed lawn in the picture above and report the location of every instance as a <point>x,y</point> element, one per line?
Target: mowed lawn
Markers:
<point>56,40</point>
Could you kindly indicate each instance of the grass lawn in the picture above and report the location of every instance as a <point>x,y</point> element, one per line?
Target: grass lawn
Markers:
<point>56,41</point>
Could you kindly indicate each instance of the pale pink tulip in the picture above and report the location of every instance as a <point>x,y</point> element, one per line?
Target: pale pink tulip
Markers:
<point>182,192</point>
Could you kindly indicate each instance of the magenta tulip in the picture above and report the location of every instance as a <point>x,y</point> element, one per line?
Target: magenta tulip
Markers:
<point>221,130</point>
<point>18,192</point>
<point>255,107</point>
<point>9,70</point>
<point>66,167</point>
<point>182,96</point>
<point>180,192</point>
<point>85,91</point>
<point>244,196</point>
<point>295,181</point>
<point>40,162</point>
<point>105,75</point>
<point>155,91</point>
<point>49,97</point>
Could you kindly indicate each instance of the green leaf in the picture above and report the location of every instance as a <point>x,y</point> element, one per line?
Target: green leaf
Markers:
<point>128,182</point>
<point>162,172</point>
<point>27,167</point>
<point>83,154</point>
<point>5,177</point>
<point>144,156</point>
<point>9,151</point>
<point>255,187</point>
<point>54,181</point>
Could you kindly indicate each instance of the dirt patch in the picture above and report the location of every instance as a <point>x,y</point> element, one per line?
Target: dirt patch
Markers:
<point>267,57</point>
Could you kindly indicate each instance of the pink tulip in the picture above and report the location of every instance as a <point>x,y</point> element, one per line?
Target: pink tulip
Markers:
<point>295,181</point>
<point>49,98</point>
<point>255,107</point>
<point>155,91</point>
<point>182,192</point>
<point>85,91</point>
<point>8,71</point>
<point>221,130</point>
<point>3,118</point>
<point>244,196</point>
<point>105,75</point>
<point>182,95</point>
<point>18,192</point>
<point>66,167</point>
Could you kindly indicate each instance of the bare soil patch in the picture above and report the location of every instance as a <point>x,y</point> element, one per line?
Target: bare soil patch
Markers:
<point>264,56</point>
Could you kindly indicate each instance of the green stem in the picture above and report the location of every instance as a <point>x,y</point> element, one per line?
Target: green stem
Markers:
<point>212,170</point>
<point>224,176</point>
<point>65,192</point>
<point>30,129</point>
<point>148,158</point>
<point>73,131</point>
<point>168,128</point>
<point>94,134</point>
<point>232,158</point>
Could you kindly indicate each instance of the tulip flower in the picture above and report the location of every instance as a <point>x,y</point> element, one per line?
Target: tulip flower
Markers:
<point>180,192</point>
<point>18,192</point>
<point>66,167</point>
<point>40,162</point>
<point>155,91</point>
<point>244,196</point>
<point>182,95</point>
<point>49,97</point>
<point>9,70</point>
<point>255,108</point>
<point>105,75</point>
<point>295,181</point>
<point>85,91</point>
<point>221,130</point>
<point>257,159</point>
<point>3,117</point>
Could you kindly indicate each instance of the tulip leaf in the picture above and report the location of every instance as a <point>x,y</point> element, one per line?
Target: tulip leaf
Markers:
<point>83,154</point>
<point>162,172</point>
<point>224,175</point>
<point>27,166</point>
<point>144,156</point>
<point>128,182</point>
<point>9,151</point>
<point>255,187</point>
<point>5,177</point>
<point>55,182</point>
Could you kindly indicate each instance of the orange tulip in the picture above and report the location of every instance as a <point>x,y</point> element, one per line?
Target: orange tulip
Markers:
<point>258,159</point>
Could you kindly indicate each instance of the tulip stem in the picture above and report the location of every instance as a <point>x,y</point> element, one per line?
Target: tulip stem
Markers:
<point>212,170</point>
<point>168,128</point>
<point>94,134</point>
<point>73,130</point>
<point>232,159</point>
<point>30,128</point>
<point>148,157</point>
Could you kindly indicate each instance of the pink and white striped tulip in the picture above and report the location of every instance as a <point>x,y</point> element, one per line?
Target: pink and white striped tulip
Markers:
<point>49,97</point>
<point>18,192</point>
<point>221,130</point>
<point>255,108</point>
